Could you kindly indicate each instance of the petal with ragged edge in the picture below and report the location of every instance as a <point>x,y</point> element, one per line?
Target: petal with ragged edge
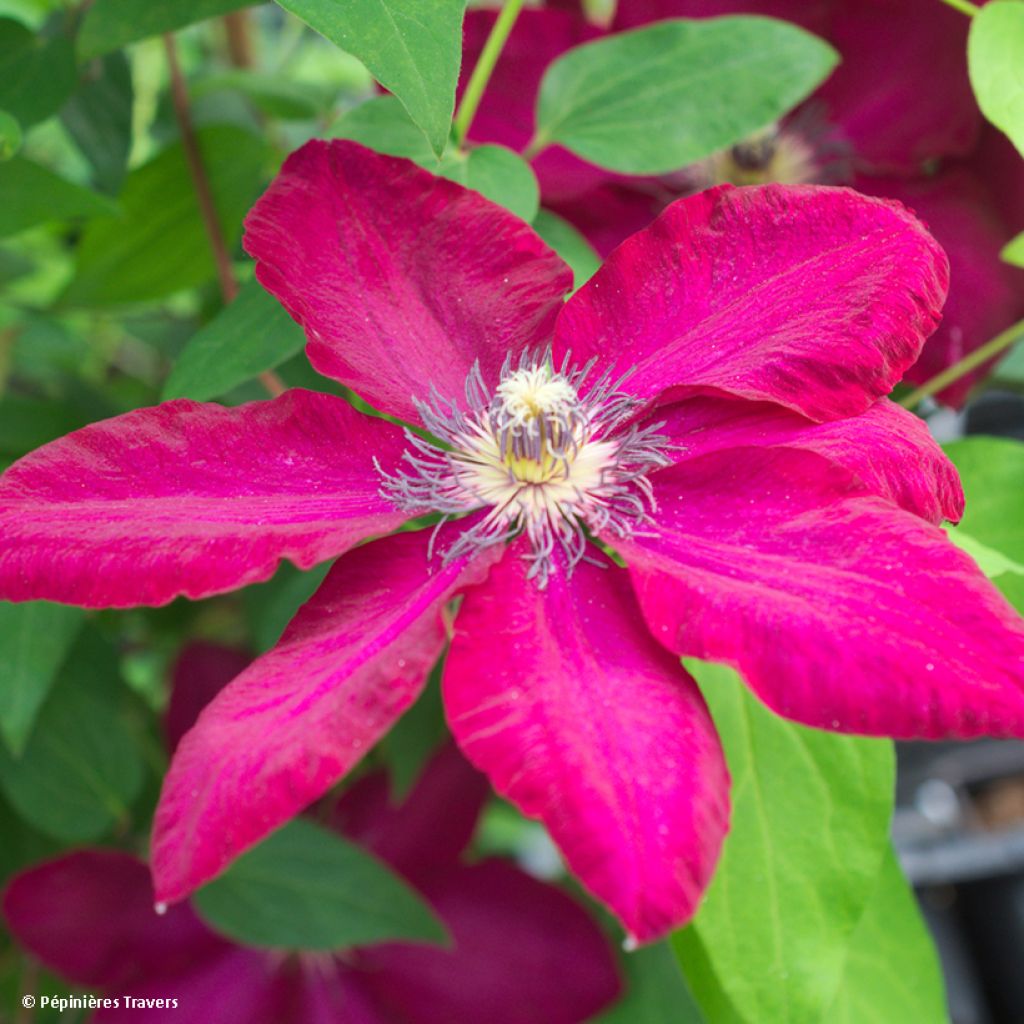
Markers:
<point>814,298</point>
<point>889,449</point>
<point>285,730</point>
<point>194,499</point>
<point>581,720</point>
<point>89,916</point>
<point>523,952</point>
<point>401,280</point>
<point>840,610</point>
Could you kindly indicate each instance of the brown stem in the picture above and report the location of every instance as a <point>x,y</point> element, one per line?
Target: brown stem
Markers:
<point>240,48</point>
<point>204,195</point>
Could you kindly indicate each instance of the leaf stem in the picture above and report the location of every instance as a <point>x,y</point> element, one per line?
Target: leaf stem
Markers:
<point>484,69</point>
<point>964,7</point>
<point>964,366</point>
<point>204,195</point>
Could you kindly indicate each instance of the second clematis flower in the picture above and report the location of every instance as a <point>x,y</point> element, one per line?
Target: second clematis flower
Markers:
<point>710,407</point>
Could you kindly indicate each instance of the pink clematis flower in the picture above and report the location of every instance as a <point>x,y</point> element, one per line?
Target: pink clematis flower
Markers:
<point>521,950</point>
<point>881,122</point>
<point>710,405</point>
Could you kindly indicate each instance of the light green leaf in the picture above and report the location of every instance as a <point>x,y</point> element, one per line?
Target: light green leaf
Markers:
<point>275,95</point>
<point>159,246</point>
<point>34,639</point>
<point>307,888</point>
<point>81,767</point>
<point>111,24</point>
<point>892,974</point>
<point>37,72</point>
<point>991,562</point>
<point>1013,251</point>
<point>661,97</point>
<point>995,61</point>
<point>412,47</point>
<point>498,174</point>
<point>99,118</point>
<point>992,469</point>
<point>252,334</point>
<point>569,244</point>
<point>810,824</point>
<point>656,992</point>
<point>382,124</point>
<point>32,195</point>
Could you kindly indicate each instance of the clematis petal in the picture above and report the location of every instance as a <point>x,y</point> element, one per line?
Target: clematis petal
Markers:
<point>200,673</point>
<point>839,610</point>
<point>427,830</point>
<point>581,720</point>
<point>89,916</point>
<point>285,730</point>
<point>895,110</point>
<point>523,952</point>
<point>811,14</point>
<point>986,295</point>
<point>889,449</point>
<point>814,298</point>
<point>194,499</point>
<point>401,279</point>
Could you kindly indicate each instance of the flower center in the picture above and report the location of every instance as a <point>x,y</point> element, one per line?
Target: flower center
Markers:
<point>774,154</point>
<point>543,458</point>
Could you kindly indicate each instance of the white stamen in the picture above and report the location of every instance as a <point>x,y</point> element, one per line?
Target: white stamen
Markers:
<point>544,459</point>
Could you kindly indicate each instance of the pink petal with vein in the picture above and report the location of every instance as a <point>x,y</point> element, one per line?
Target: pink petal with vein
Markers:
<point>814,298</point>
<point>401,279</point>
<point>581,720</point>
<point>888,448</point>
<point>838,609</point>
<point>353,659</point>
<point>191,498</point>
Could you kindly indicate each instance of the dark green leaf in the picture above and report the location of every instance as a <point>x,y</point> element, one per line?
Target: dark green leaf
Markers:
<point>992,469</point>
<point>98,117</point>
<point>272,605</point>
<point>892,974</point>
<point>110,24</point>
<point>37,72</point>
<point>415,736</point>
<point>158,246</point>
<point>10,135</point>
<point>569,244</point>
<point>412,47</point>
<point>34,639</point>
<point>661,97</point>
<point>307,888</point>
<point>274,95</point>
<point>810,822</point>
<point>32,195</point>
<point>656,992</point>
<point>995,60</point>
<point>252,334</point>
<point>81,767</point>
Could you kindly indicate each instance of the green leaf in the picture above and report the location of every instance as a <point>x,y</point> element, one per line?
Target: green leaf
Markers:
<point>656,992</point>
<point>661,97</point>
<point>34,639</point>
<point>412,47</point>
<point>111,24</point>
<point>35,195</point>
<point>98,117</point>
<point>81,768</point>
<point>252,334</point>
<point>892,974</point>
<point>37,72</point>
<point>496,173</point>
<point>992,469</point>
<point>307,888</point>
<point>275,95</point>
<point>1013,251</point>
<point>995,61</point>
<point>159,246</point>
<point>810,822</point>
<point>991,562</point>
<point>408,744</point>
<point>569,244</point>
<point>10,135</point>
<point>270,606</point>
<point>382,124</point>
